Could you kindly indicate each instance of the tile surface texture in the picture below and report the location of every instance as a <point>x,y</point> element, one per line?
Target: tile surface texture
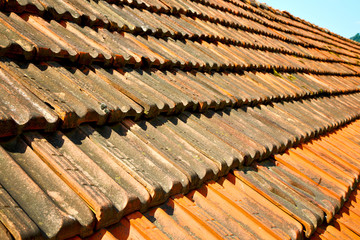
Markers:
<point>177,119</point>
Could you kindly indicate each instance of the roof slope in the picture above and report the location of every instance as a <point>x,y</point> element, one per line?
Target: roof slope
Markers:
<point>112,107</point>
<point>276,199</point>
<point>155,46</point>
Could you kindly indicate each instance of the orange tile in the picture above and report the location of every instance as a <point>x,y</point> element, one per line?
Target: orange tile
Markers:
<point>136,226</point>
<point>238,228</point>
<point>318,236</point>
<point>324,166</point>
<point>187,219</point>
<point>237,213</point>
<point>343,144</point>
<point>144,226</point>
<point>334,233</point>
<point>263,210</point>
<point>350,220</point>
<point>323,234</point>
<point>333,159</point>
<point>314,174</point>
<point>350,159</point>
<point>203,216</point>
<point>354,207</point>
<point>345,230</point>
<point>167,224</point>
<point>284,198</point>
<point>102,235</point>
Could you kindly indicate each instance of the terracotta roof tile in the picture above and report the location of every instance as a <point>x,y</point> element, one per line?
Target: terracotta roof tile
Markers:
<point>105,210</point>
<point>36,204</point>
<point>245,205</point>
<point>60,193</point>
<point>15,221</point>
<point>175,119</point>
<point>140,24</point>
<point>111,110</point>
<point>65,159</point>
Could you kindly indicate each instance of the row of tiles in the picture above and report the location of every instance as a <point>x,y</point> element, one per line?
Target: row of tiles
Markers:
<point>268,25</point>
<point>125,18</point>
<point>144,22</point>
<point>193,8</point>
<point>66,40</point>
<point>47,95</point>
<point>345,224</point>
<point>140,20</point>
<point>103,173</point>
<point>287,197</point>
<point>270,16</point>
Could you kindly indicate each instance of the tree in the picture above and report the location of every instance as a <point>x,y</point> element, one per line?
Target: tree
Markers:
<point>356,37</point>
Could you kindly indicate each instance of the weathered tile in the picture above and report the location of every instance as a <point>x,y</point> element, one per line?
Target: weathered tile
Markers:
<point>60,8</point>
<point>314,174</point>
<point>195,95</point>
<point>55,89</point>
<point>221,216</point>
<point>282,139</point>
<point>4,233</point>
<point>90,14</point>
<point>113,102</point>
<point>183,156</point>
<point>12,41</point>
<point>23,108</point>
<point>16,221</point>
<point>54,32</point>
<point>60,193</point>
<point>325,201</point>
<point>140,161</point>
<point>266,114</point>
<point>176,101</point>
<point>258,136</point>
<point>127,83</point>
<point>249,149</point>
<point>233,212</point>
<point>43,212</point>
<point>214,98</point>
<point>105,211</point>
<point>309,215</point>
<point>91,157</point>
<point>122,55</point>
<point>118,169</point>
<point>117,189</point>
<point>267,214</point>
<point>222,154</point>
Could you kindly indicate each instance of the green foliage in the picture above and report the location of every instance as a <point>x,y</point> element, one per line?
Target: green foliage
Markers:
<point>356,37</point>
<point>276,73</point>
<point>291,77</point>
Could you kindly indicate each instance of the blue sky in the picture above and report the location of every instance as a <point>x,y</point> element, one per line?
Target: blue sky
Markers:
<point>339,16</point>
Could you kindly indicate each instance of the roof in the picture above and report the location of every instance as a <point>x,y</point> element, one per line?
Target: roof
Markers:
<point>298,191</point>
<point>164,119</point>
